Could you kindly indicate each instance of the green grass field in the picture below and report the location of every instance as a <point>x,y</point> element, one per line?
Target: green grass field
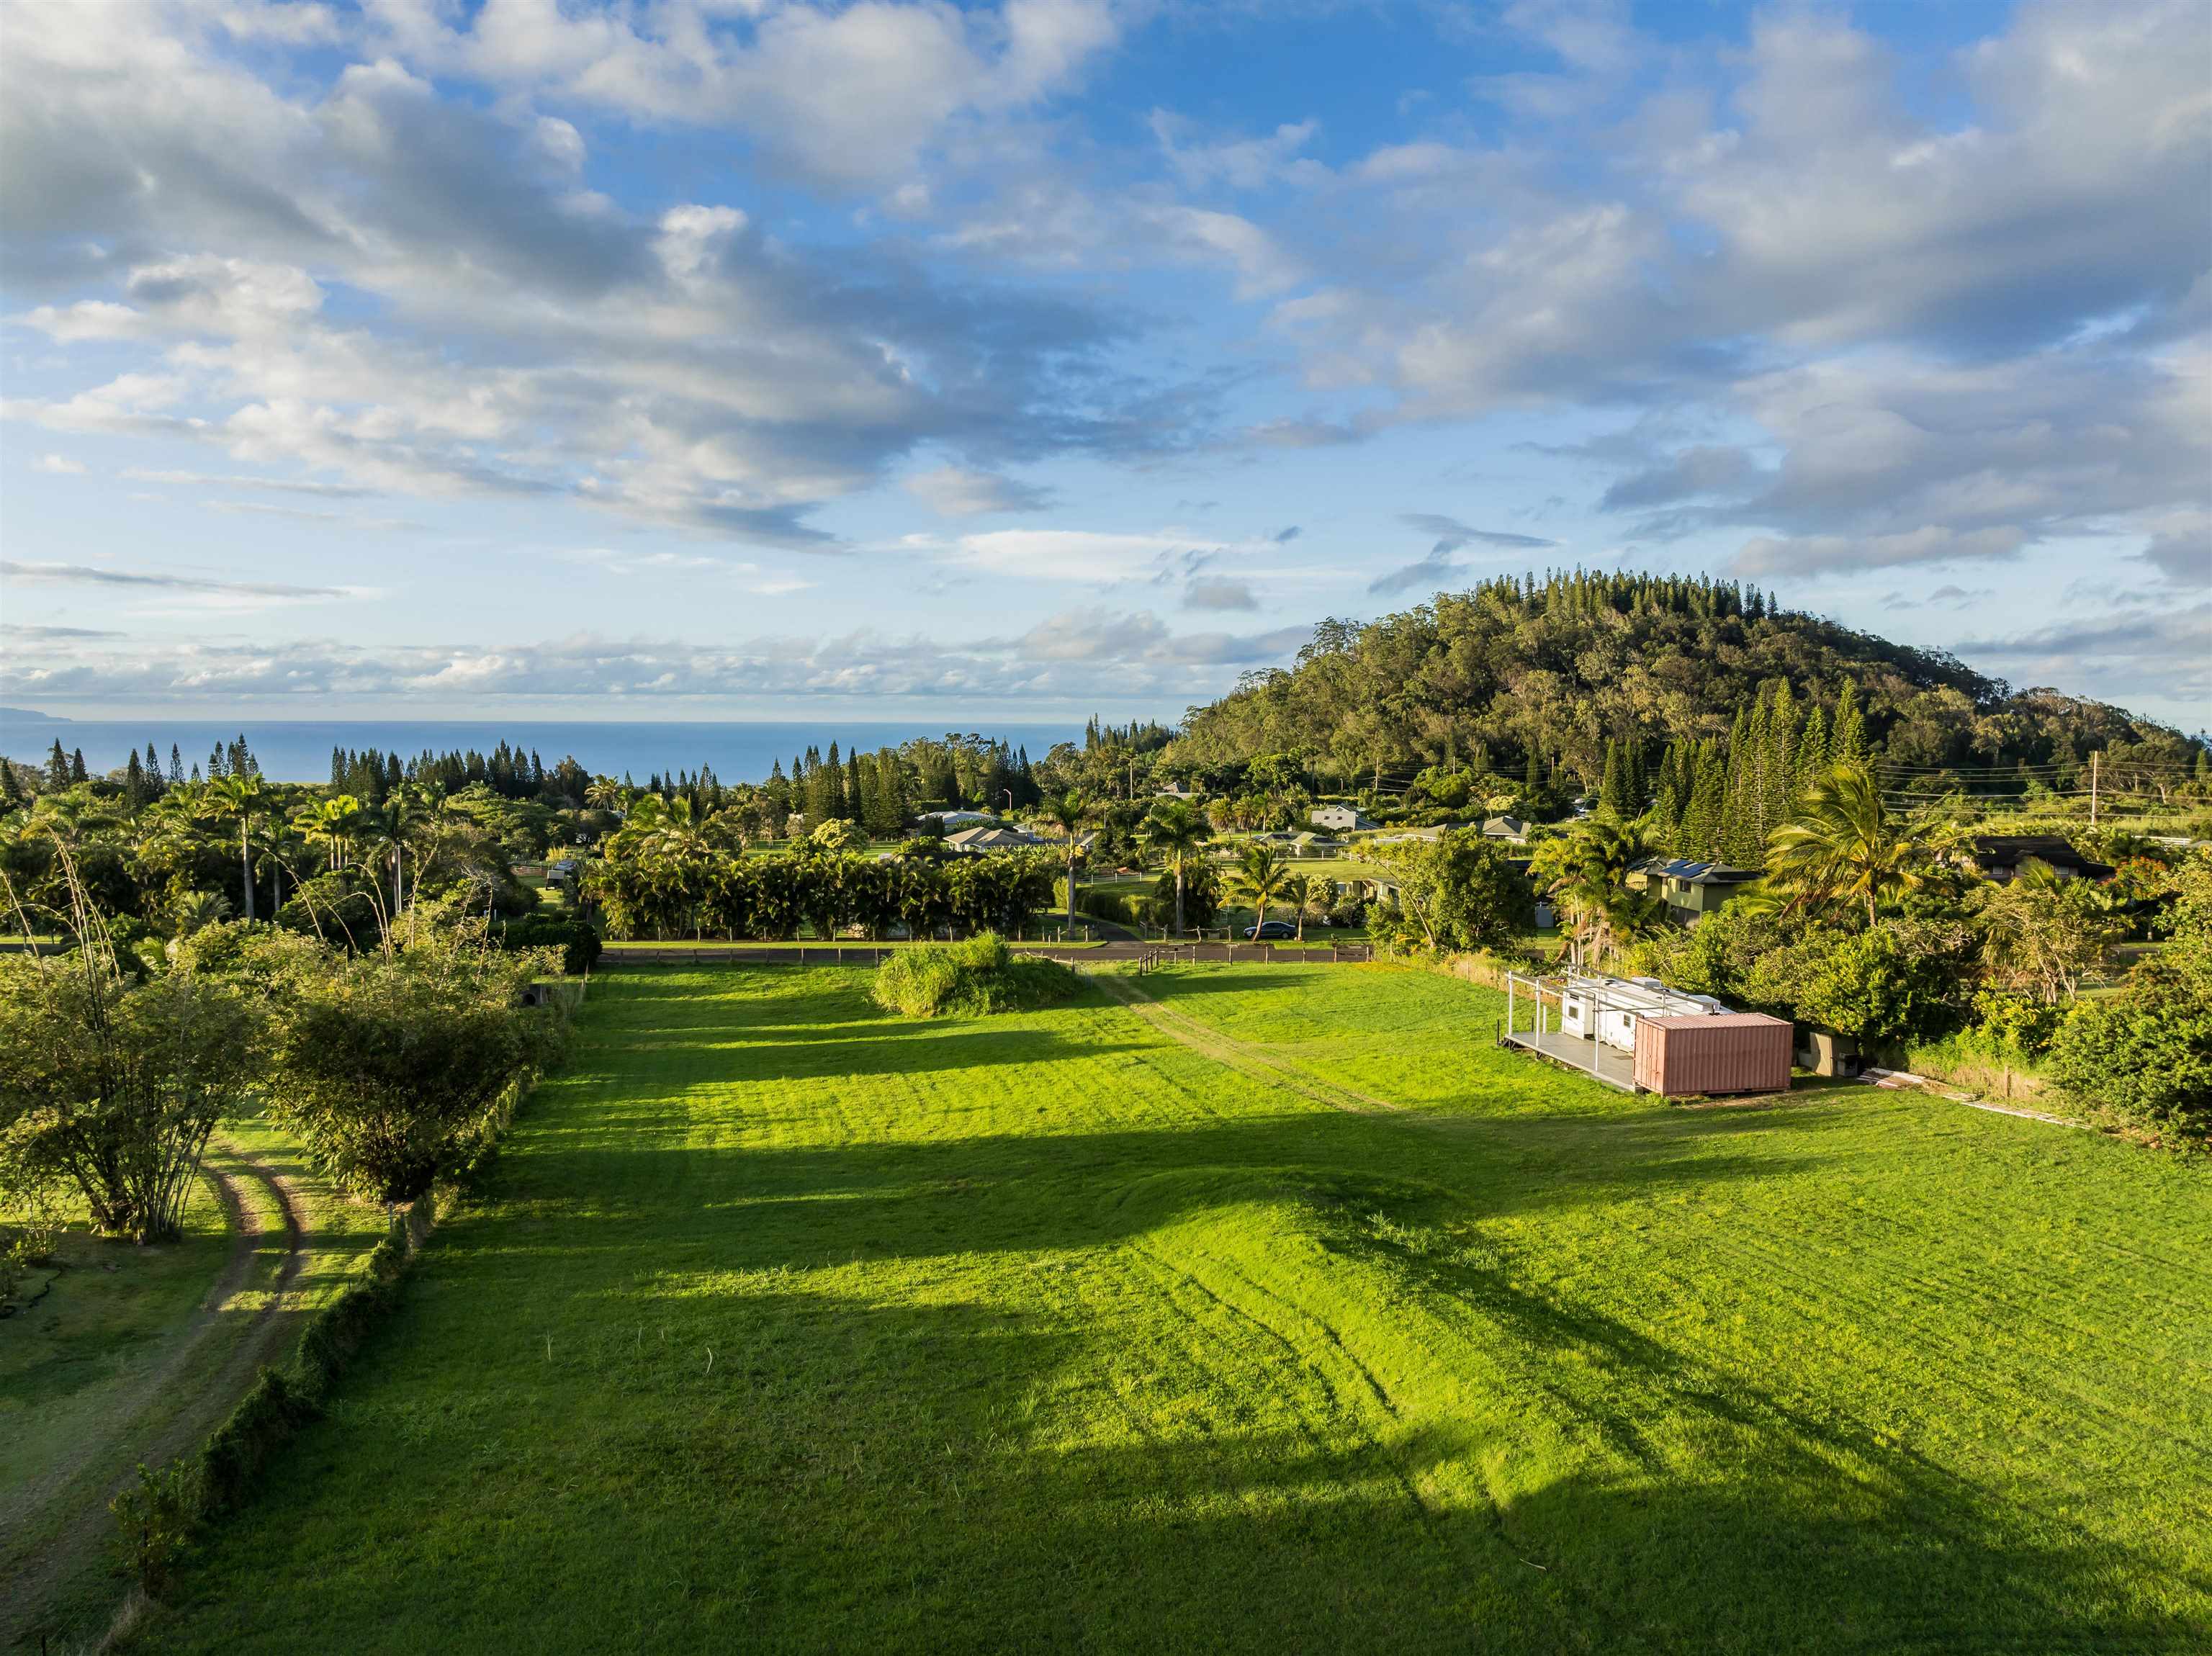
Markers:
<point>1285,1314</point>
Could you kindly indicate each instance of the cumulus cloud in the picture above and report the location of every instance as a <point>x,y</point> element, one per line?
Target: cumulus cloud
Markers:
<point>1079,555</point>
<point>1072,656</point>
<point>957,492</point>
<point>530,338</point>
<point>848,95</point>
<point>1216,593</point>
<point>61,465</point>
<point>2133,655</point>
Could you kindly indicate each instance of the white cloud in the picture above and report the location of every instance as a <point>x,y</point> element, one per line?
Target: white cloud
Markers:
<point>1082,555</point>
<point>1066,656</point>
<point>61,465</point>
<point>851,95</point>
<point>957,492</point>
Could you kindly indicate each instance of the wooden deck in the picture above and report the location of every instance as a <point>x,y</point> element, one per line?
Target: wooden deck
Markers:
<point>1593,1059</point>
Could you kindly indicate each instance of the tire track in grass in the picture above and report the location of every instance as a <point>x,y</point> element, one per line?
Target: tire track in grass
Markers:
<point>54,1529</point>
<point>1242,1056</point>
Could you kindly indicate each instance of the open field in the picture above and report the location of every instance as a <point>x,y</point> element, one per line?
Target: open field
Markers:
<point>1275,1310</point>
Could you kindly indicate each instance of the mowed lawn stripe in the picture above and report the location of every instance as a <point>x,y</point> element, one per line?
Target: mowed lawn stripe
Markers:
<point>791,1326</point>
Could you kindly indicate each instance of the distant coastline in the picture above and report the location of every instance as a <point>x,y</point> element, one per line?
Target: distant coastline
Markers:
<point>24,715</point>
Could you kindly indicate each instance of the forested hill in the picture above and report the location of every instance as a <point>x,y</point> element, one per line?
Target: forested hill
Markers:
<point>1553,670</point>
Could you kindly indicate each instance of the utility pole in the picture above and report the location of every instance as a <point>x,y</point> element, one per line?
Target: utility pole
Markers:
<point>2094,758</point>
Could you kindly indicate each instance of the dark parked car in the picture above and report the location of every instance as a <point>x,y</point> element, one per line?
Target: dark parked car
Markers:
<point>1274,930</point>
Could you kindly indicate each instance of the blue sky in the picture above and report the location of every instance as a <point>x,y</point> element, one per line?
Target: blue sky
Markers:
<point>737,358</point>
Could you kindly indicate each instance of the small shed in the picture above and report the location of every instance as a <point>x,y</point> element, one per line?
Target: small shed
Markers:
<point>1729,1053</point>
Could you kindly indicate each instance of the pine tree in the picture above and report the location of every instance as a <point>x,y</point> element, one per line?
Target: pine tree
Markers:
<point>1667,802</point>
<point>1704,822</point>
<point>1739,824</point>
<point>1812,749</point>
<point>11,789</point>
<point>58,767</point>
<point>1781,762</point>
<point>153,770</point>
<point>134,781</point>
<point>176,767</point>
<point>1613,789</point>
<point>1847,744</point>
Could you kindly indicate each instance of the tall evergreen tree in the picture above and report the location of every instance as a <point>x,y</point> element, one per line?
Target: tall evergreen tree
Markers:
<point>176,767</point>
<point>1812,749</point>
<point>58,767</point>
<point>1847,743</point>
<point>1613,787</point>
<point>1705,819</point>
<point>1781,762</point>
<point>1739,824</point>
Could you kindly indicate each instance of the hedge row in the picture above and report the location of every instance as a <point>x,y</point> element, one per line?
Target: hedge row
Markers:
<point>159,1514</point>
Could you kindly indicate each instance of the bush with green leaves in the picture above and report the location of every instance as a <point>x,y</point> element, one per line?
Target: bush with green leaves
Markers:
<point>576,940</point>
<point>1458,892</point>
<point>113,1082</point>
<point>977,976</point>
<point>393,1067</point>
<point>2143,1058</point>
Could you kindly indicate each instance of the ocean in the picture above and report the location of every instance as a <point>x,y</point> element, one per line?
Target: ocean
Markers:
<point>300,751</point>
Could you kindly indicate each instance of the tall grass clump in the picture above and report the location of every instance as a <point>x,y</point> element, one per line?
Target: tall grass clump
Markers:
<point>974,977</point>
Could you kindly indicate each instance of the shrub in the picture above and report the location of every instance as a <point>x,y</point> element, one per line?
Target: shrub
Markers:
<point>2143,1058</point>
<point>395,1070</point>
<point>155,1518</point>
<point>975,977</point>
<point>577,942</point>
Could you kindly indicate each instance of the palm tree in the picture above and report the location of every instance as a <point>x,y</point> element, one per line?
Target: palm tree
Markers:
<point>196,909</point>
<point>1260,874</point>
<point>1298,892</point>
<point>1845,845</point>
<point>239,797</point>
<point>1585,872</point>
<point>605,793</point>
<point>280,845</point>
<point>1069,812</point>
<point>331,821</point>
<point>389,828</point>
<point>1178,830</point>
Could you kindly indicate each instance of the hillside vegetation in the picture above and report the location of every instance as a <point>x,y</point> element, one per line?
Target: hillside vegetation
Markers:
<point>1551,671</point>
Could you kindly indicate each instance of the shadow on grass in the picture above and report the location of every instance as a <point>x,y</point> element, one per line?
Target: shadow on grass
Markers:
<point>850,1474</point>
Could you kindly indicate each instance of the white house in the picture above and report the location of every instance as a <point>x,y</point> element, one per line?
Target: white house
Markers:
<point>1511,829</point>
<point>1339,818</point>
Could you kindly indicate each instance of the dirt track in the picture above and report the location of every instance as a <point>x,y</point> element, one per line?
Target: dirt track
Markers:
<point>54,1531</point>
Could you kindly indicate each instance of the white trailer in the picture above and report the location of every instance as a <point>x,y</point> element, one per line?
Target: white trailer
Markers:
<point>1607,1007</point>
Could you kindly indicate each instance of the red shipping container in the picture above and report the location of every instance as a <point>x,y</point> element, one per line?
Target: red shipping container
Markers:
<point>1729,1053</point>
